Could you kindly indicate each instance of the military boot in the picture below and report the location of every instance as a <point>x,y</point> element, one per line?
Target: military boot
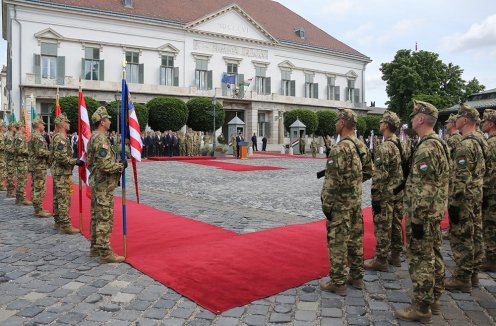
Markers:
<point>68,229</point>
<point>416,312</point>
<point>41,213</point>
<point>24,202</point>
<point>395,259</point>
<point>457,284</point>
<point>436,308</point>
<point>377,264</point>
<point>475,280</point>
<point>334,288</point>
<point>11,194</point>
<point>112,258</point>
<point>93,252</point>
<point>56,226</point>
<point>356,283</point>
<point>488,267</point>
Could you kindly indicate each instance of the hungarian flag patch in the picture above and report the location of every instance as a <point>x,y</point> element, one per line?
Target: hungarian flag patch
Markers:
<point>461,160</point>
<point>423,166</point>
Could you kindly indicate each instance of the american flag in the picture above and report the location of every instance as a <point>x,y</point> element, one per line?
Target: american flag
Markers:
<point>135,142</point>
<point>84,134</point>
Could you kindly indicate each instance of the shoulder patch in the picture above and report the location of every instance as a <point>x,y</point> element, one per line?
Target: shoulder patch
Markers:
<point>102,152</point>
<point>60,146</point>
<point>423,166</point>
<point>9,141</point>
<point>331,162</point>
<point>461,160</point>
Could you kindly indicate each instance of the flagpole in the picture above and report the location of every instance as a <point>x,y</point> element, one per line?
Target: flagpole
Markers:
<point>135,173</point>
<point>123,154</point>
<point>80,143</point>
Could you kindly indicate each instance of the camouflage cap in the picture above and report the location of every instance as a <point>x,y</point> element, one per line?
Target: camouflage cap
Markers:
<point>19,124</point>
<point>2,124</point>
<point>468,112</point>
<point>12,125</point>
<point>61,118</point>
<point>100,113</point>
<point>425,108</point>
<point>489,115</point>
<point>37,120</point>
<point>392,118</point>
<point>452,118</point>
<point>347,114</point>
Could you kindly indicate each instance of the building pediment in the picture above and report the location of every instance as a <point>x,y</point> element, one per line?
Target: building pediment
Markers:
<point>286,65</point>
<point>48,34</point>
<point>231,22</point>
<point>168,49</point>
<point>351,74</point>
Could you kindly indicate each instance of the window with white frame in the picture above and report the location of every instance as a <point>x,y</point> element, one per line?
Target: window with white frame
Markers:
<point>311,88</point>
<point>92,65</point>
<point>134,70</point>
<point>48,60</point>
<point>333,91</point>
<point>288,86</point>
<point>352,93</point>
<point>262,83</point>
<point>203,76</point>
<point>169,75</point>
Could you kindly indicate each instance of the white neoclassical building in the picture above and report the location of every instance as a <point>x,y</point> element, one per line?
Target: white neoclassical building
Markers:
<point>257,57</point>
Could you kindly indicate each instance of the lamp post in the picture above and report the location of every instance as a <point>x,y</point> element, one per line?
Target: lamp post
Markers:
<point>214,103</point>
<point>117,96</point>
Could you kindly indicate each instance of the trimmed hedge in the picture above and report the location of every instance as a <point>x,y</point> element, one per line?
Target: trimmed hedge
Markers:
<point>327,123</point>
<point>308,117</point>
<point>199,118</point>
<point>167,113</point>
<point>69,106</point>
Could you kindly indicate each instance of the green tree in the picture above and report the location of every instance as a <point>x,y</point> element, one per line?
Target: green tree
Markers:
<point>372,122</point>
<point>308,117</point>
<point>472,87</point>
<point>413,75</point>
<point>361,126</point>
<point>69,106</point>
<point>167,113</point>
<point>200,114</point>
<point>140,109</point>
<point>327,123</point>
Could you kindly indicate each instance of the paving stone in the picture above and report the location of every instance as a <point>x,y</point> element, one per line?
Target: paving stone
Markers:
<point>307,306</point>
<point>354,301</point>
<point>282,308</point>
<point>205,314</point>
<point>308,289</point>
<point>45,317</point>
<point>332,322</point>
<point>147,322</point>
<point>138,305</point>
<point>331,303</point>
<point>164,304</point>
<point>469,306</point>
<point>128,315</point>
<point>94,298</point>
<point>303,315</point>
<point>356,310</point>
<point>111,307</point>
<point>226,321</point>
<point>99,316</point>
<point>33,296</point>
<point>182,313</point>
<point>257,310</point>
<point>285,299</point>
<point>5,314</point>
<point>196,322</point>
<point>255,320</point>
<point>30,312</point>
<point>378,305</point>
<point>279,318</point>
<point>123,297</point>
<point>155,313</point>
<point>71,318</point>
<point>331,312</point>
<point>236,312</point>
<point>357,321</point>
<point>73,285</point>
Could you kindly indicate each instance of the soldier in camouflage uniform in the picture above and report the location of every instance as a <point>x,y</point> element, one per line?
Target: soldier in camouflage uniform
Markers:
<point>38,163</point>
<point>348,165</point>
<point>453,140</point>
<point>489,193</point>
<point>189,143</point>
<point>313,147</point>
<point>105,172</point>
<point>21,159</point>
<point>425,202</point>
<point>62,165</point>
<point>10,160</point>
<point>465,203</point>
<point>387,176</point>
<point>234,145</point>
<point>3,129</point>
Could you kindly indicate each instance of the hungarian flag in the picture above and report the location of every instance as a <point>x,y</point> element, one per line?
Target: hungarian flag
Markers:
<point>26,122</point>
<point>84,134</point>
<point>57,106</point>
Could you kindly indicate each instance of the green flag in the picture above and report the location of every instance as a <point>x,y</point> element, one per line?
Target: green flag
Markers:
<point>14,120</point>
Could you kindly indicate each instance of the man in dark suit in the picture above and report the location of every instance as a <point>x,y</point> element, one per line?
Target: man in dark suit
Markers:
<point>264,143</point>
<point>254,142</point>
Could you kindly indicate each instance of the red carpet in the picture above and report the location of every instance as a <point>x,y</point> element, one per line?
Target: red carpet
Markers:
<point>233,166</point>
<point>180,158</point>
<point>216,268</point>
<point>287,155</point>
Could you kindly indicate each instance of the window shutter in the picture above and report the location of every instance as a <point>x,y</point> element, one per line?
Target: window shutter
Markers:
<point>293,88</point>
<point>347,94</point>
<point>210,82</point>
<point>357,96</point>
<point>316,90</point>
<point>141,73</point>
<point>176,76</point>
<point>268,90</point>
<point>336,93</point>
<point>268,130</point>
<point>282,87</point>
<point>37,69</point>
<point>83,64</point>
<point>162,75</point>
<point>241,79</point>
<point>223,86</point>
<point>60,70</point>
<point>101,68</point>
<point>306,89</point>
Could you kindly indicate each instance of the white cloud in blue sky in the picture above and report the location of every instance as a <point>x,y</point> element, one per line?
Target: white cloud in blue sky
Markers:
<point>462,32</point>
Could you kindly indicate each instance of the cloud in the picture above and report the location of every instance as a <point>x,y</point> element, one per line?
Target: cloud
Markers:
<point>361,35</point>
<point>399,30</point>
<point>477,36</point>
<point>339,8</point>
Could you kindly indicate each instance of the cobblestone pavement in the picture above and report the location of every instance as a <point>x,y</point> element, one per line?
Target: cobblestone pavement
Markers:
<point>47,278</point>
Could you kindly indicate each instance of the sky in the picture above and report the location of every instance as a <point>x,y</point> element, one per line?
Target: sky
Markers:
<point>461,32</point>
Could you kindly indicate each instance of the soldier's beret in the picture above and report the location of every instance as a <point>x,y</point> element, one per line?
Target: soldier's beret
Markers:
<point>468,112</point>
<point>425,108</point>
<point>100,114</point>
<point>61,118</point>
<point>452,118</point>
<point>391,118</point>
<point>37,120</point>
<point>347,114</point>
<point>489,115</point>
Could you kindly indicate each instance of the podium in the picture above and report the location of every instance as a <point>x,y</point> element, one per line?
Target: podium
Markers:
<point>243,148</point>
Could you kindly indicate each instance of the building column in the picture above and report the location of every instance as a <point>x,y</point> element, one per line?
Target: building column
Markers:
<point>251,123</point>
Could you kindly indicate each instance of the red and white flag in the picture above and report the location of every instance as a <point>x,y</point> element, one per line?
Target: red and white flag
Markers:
<point>136,145</point>
<point>84,134</point>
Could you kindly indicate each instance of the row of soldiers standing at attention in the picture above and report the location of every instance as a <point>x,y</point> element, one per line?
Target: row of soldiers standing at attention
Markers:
<point>421,183</point>
<point>19,155</point>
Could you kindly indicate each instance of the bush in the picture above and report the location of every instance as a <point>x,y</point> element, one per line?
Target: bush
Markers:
<point>140,109</point>
<point>206,151</point>
<point>199,118</point>
<point>69,106</point>
<point>361,126</point>
<point>327,123</point>
<point>167,113</point>
<point>308,117</point>
<point>372,124</point>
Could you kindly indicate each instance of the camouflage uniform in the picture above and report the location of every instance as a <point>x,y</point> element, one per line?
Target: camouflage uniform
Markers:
<point>341,198</point>
<point>489,198</point>
<point>2,156</point>
<point>104,176</point>
<point>425,202</point>
<point>453,140</point>
<point>10,160</point>
<point>182,144</point>
<point>387,208</point>
<point>465,205</point>
<point>62,166</point>
<point>38,163</point>
<point>234,145</point>
<point>21,159</point>
<point>313,146</point>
